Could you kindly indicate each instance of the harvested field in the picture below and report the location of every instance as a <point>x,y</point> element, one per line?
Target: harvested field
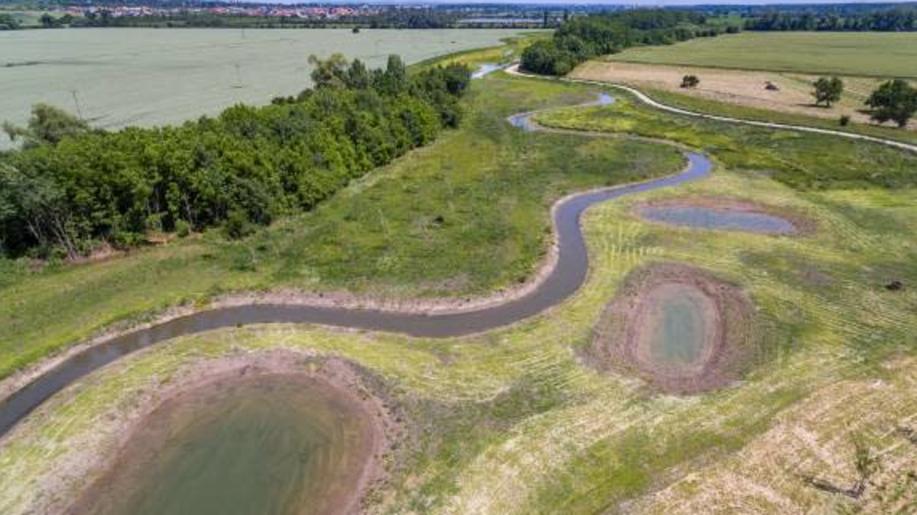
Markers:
<point>723,214</point>
<point>848,448</point>
<point>679,327</point>
<point>738,87</point>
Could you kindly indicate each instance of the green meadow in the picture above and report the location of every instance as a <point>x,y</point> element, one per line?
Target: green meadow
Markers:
<point>869,54</point>
<point>512,421</point>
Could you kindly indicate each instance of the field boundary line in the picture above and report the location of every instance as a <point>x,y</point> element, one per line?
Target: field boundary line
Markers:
<point>646,99</point>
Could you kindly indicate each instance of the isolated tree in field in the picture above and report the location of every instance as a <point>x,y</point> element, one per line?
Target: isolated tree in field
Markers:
<point>827,90</point>
<point>895,100</point>
<point>690,81</point>
<point>329,73</point>
<point>47,21</point>
<point>47,125</point>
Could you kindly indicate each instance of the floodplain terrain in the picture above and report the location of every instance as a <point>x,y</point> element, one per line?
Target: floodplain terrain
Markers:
<point>520,419</point>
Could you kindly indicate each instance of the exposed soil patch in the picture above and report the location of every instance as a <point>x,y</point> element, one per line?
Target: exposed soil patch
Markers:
<point>679,327</point>
<point>144,428</point>
<point>725,214</point>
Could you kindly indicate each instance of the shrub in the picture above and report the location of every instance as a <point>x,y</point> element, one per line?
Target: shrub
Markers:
<point>844,120</point>
<point>182,228</point>
<point>690,81</point>
<point>237,225</point>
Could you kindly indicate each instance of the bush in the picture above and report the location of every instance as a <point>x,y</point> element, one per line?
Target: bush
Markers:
<point>237,225</point>
<point>690,81</point>
<point>844,120</point>
<point>182,228</point>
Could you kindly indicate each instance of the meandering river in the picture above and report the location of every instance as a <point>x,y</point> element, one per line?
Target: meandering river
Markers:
<point>564,279</point>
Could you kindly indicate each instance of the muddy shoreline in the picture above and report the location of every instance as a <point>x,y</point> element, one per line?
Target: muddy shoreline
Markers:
<point>620,341</point>
<point>81,481</point>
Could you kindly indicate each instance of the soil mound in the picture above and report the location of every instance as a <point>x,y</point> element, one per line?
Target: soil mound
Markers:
<point>679,327</point>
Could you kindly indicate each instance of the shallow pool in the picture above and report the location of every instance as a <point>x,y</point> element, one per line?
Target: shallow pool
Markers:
<point>266,445</point>
<point>680,326</point>
<point>718,218</point>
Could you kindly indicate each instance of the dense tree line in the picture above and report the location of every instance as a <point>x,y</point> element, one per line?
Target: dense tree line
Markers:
<point>896,19</point>
<point>394,18</point>
<point>8,22</point>
<point>583,37</point>
<point>71,187</point>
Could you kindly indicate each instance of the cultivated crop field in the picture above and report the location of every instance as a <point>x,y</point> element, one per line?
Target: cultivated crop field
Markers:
<point>521,419</point>
<point>119,77</point>
<point>868,54</point>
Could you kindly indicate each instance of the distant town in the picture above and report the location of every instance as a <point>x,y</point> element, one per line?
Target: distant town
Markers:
<point>323,12</point>
<point>221,14</point>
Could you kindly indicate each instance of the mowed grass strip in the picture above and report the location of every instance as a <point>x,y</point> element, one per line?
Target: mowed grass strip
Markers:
<point>468,215</point>
<point>869,54</point>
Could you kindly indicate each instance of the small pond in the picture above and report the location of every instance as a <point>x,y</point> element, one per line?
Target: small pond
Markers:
<point>485,69</point>
<point>680,327</point>
<point>718,218</point>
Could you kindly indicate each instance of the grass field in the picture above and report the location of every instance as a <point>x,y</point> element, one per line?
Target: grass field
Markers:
<point>868,54</point>
<point>511,421</point>
<point>491,185</point>
<point>117,77</point>
<point>703,105</point>
<point>742,93</point>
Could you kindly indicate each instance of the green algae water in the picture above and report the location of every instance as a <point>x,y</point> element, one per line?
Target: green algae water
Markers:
<point>264,445</point>
<point>681,331</point>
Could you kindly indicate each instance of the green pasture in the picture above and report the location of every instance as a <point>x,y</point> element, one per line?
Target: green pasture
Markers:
<point>465,216</point>
<point>870,54</point>
<point>512,421</point>
<point>703,105</point>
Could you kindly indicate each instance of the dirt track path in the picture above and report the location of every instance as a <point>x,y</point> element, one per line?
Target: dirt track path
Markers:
<point>514,70</point>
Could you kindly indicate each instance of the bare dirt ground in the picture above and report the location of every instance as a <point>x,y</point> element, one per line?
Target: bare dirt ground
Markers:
<point>740,87</point>
<point>621,340</point>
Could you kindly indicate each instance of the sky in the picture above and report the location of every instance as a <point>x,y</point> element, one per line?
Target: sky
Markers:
<point>647,3</point>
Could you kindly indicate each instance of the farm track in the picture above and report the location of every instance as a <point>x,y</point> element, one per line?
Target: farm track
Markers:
<point>646,99</point>
<point>566,271</point>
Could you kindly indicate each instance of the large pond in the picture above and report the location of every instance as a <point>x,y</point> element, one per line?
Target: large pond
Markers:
<point>723,218</point>
<point>273,444</point>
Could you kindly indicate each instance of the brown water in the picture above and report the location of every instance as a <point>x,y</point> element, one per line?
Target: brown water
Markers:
<point>279,444</point>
